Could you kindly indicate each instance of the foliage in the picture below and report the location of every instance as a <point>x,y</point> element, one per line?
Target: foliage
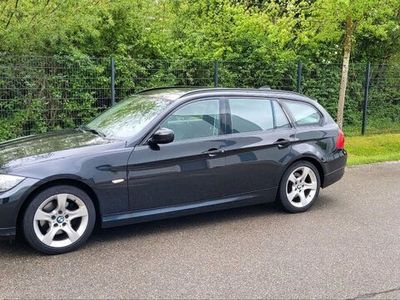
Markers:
<point>50,76</point>
<point>44,93</point>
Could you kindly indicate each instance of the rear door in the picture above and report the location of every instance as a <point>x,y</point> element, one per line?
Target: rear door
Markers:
<point>258,145</point>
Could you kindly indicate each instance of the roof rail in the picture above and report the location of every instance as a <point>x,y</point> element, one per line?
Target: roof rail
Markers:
<point>204,89</point>
<point>167,87</point>
<point>265,87</point>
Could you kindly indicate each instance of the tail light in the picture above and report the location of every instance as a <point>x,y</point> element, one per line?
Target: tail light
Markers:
<point>340,140</point>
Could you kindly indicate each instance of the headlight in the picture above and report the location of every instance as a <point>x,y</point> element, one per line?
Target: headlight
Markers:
<point>9,181</point>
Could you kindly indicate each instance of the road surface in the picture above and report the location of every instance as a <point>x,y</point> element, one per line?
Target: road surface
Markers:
<point>346,246</point>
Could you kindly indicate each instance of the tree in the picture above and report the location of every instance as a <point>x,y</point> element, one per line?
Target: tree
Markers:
<point>342,20</point>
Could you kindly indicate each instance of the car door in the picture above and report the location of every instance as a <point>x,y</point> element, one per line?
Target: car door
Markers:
<point>258,146</point>
<point>186,170</point>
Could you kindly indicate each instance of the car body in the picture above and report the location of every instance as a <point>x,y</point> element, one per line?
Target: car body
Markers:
<point>131,179</point>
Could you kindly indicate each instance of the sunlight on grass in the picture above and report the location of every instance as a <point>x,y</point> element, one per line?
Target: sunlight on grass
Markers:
<point>355,130</point>
<point>373,148</point>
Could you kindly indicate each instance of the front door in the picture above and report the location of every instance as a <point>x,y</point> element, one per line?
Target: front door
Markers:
<point>189,169</point>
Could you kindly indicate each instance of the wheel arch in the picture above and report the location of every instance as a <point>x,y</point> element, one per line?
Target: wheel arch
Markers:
<point>54,182</point>
<point>311,159</point>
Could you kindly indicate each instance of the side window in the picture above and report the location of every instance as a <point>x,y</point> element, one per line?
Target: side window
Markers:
<point>281,121</point>
<point>303,113</point>
<point>195,120</point>
<point>256,115</point>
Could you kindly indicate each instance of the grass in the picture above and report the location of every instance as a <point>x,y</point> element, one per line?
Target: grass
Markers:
<point>373,148</point>
<point>355,130</point>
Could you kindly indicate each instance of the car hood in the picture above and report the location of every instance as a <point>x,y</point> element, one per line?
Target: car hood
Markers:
<point>50,146</point>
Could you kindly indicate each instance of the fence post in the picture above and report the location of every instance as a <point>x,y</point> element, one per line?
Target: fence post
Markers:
<point>299,75</point>
<point>366,92</point>
<point>112,81</point>
<point>215,73</point>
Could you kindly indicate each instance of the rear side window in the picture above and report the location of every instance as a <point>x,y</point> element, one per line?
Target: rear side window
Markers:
<point>303,113</point>
<point>249,115</point>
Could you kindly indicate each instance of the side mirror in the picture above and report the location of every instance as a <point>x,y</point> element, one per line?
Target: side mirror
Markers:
<point>162,136</point>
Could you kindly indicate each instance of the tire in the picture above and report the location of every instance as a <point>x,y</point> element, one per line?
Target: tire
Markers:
<point>298,194</point>
<point>59,219</point>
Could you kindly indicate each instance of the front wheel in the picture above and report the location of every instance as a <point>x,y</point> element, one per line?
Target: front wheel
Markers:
<point>299,187</point>
<point>59,219</point>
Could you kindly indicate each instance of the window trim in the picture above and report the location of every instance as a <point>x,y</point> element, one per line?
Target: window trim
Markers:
<point>145,140</point>
<point>266,131</point>
<point>293,121</point>
<point>289,120</point>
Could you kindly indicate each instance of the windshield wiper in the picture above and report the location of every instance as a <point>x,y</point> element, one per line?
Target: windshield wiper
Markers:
<point>97,132</point>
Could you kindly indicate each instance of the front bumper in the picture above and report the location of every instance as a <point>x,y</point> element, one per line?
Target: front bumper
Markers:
<point>10,205</point>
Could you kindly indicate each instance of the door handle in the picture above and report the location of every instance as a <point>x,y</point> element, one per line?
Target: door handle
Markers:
<point>282,143</point>
<point>214,152</point>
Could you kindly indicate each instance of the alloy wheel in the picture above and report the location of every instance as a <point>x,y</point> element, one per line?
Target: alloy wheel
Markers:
<point>301,186</point>
<point>61,220</point>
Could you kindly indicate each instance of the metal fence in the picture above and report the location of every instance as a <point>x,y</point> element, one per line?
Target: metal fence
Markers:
<point>39,93</point>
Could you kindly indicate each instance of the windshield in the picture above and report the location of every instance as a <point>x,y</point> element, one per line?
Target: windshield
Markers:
<point>128,117</point>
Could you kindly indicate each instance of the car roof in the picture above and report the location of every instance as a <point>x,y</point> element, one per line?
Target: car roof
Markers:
<point>176,93</point>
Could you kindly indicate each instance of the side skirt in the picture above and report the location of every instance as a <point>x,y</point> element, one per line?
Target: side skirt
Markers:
<point>140,216</point>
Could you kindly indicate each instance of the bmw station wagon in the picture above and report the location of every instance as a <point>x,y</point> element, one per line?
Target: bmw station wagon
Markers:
<point>164,153</point>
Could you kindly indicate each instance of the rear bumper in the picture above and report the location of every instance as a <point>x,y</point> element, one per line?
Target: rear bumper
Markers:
<point>333,177</point>
<point>334,168</point>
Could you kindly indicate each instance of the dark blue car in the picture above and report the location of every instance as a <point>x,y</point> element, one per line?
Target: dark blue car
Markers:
<point>168,152</point>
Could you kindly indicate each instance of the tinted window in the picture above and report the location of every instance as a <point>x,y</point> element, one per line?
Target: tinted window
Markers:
<point>195,120</point>
<point>281,120</point>
<point>303,113</point>
<point>256,115</point>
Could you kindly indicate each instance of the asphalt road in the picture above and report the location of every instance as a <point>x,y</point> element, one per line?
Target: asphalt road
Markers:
<point>346,246</point>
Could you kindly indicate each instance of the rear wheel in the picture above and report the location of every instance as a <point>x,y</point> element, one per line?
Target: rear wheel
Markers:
<point>299,187</point>
<point>59,219</point>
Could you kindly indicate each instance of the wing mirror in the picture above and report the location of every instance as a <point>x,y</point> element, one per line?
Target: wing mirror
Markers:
<point>162,136</point>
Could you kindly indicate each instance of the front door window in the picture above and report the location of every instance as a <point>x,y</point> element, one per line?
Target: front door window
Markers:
<point>195,120</point>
